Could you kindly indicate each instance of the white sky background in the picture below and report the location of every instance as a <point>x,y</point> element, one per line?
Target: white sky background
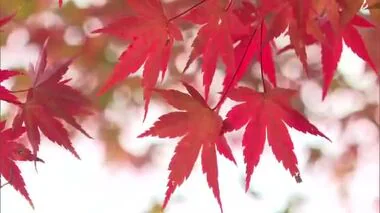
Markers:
<point>64,184</point>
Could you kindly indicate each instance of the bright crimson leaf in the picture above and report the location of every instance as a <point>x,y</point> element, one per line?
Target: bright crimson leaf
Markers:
<point>253,45</point>
<point>151,36</point>
<point>47,101</point>
<point>214,39</point>
<point>201,128</point>
<point>10,151</point>
<point>266,115</point>
<point>5,95</point>
<point>291,14</point>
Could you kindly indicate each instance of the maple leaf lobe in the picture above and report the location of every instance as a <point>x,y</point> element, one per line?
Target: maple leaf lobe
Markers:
<point>5,94</point>
<point>152,37</point>
<point>201,129</point>
<point>265,116</point>
<point>214,39</point>
<point>11,151</point>
<point>49,100</point>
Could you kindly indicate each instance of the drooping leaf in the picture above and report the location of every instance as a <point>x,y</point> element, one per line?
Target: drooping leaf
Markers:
<point>331,52</point>
<point>10,151</point>
<point>5,95</point>
<point>215,38</point>
<point>151,36</point>
<point>332,46</point>
<point>294,15</point>
<point>265,115</point>
<point>201,128</point>
<point>256,44</point>
<point>49,100</point>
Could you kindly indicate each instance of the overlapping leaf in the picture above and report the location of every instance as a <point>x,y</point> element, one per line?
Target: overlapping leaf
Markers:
<point>332,46</point>
<point>256,44</point>
<point>291,14</point>
<point>215,38</point>
<point>49,100</point>
<point>151,36</point>
<point>201,129</point>
<point>265,115</point>
<point>5,94</point>
<point>10,151</point>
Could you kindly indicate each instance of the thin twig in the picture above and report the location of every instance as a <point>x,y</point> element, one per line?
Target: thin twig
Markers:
<point>261,55</point>
<point>9,181</point>
<point>186,11</point>
<point>4,185</point>
<point>18,91</point>
<point>224,95</point>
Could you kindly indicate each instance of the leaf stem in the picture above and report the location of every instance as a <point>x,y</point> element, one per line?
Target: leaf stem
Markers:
<point>18,91</point>
<point>186,11</point>
<point>229,5</point>
<point>261,55</point>
<point>224,95</point>
<point>4,185</point>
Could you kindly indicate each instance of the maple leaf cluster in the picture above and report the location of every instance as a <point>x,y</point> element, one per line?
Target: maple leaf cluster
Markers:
<point>237,33</point>
<point>265,114</point>
<point>48,101</point>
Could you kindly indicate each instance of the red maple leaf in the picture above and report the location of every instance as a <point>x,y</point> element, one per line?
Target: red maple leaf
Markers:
<point>47,101</point>
<point>332,47</point>
<point>6,19</point>
<point>215,38</point>
<point>152,36</point>
<point>5,95</point>
<point>291,14</point>
<point>255,44</point>
<point>266,115</point>
<point>10,151</point>
<point>201,128</point>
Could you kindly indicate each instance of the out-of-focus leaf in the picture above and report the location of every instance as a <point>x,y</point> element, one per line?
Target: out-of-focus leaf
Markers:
<point>374,6</point>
